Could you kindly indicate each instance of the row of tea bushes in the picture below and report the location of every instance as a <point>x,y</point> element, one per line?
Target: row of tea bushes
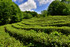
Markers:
<point>39,39</point>
<point>48,29</point>
<point>7,41</point>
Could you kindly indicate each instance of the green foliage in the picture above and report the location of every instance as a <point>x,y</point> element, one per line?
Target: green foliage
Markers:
<point>5,0</point>
<point>58,8</point>
<point>44,13</point>
<point>51,31</point>
<point>40,39</point>
<point>34,14</point>
<point>27,15</point>
<point>7,41</point>
<point>68,5</point>
<point>9,12</point>
<point>65,0</point>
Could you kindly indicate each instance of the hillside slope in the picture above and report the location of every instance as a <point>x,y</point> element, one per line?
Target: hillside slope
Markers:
<point>49,31</point>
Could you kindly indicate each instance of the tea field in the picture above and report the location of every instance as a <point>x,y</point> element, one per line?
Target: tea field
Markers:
<point>50,31</point>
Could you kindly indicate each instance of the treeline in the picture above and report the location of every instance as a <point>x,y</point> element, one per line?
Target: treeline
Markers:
<point>58,8</point>
<point>30,14</point>
<point>10,12</point>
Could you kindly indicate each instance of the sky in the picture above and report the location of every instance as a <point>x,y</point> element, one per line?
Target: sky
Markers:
<point>33,5</point>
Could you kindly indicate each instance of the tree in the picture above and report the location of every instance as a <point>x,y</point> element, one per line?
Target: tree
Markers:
<point>44,13</point>
<point>27,16</point>
<point>63,0</point>
<point>58,8</point>
<point>67,4</point>
<point>34,14</point>
<point>9,12</point>
<point>66,1</point>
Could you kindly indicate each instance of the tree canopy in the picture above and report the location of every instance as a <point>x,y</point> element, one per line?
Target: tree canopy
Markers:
<point>9,12</point>
<point>33,13</point>
<point>58,8</point>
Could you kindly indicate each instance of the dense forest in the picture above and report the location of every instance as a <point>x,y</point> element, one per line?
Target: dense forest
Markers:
<point>19,28</point>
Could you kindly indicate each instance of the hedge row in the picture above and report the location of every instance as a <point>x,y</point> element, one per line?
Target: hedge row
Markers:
<point>48,29</point>
<point>39,39</point>
<point>7,41</point>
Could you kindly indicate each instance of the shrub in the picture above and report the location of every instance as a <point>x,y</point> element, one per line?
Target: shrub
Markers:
<point>9,12</point>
